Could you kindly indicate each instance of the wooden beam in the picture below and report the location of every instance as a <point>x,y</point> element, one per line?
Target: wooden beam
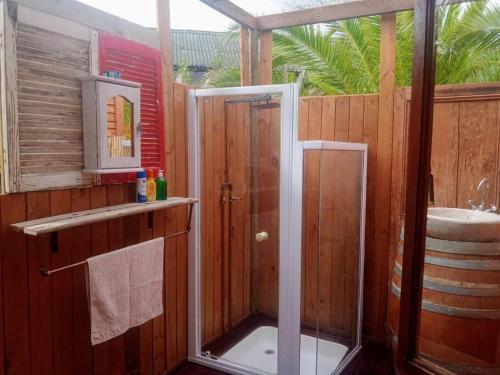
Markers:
<point>333,12</point>
<point>387,60</point>
<point>244,56</point>
<point>232,11</point>
<point>94,18</point>
<point>418,159</point>
<point>254,57</point>
<point>266,58</point>
<point>384,150</point>
<point>164,31</point>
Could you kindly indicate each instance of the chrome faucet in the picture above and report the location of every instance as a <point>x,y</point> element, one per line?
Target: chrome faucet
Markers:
<point>482,188</point>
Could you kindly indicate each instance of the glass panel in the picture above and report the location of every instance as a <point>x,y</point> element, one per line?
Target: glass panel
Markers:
<point>264,7</point>
<point>120,119</point>
<point>240,141</point>
<point>332,199</point>
<point>460,313</point>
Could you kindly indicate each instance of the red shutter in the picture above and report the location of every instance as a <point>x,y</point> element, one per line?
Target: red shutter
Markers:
<point>139,63</point>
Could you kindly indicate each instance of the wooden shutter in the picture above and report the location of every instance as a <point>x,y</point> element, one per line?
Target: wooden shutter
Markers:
<point>45,59</point>
<point>139,63</point>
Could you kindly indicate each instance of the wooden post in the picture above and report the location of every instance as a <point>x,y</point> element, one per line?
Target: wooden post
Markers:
<point>266,58</point>
<point>244,56</point>
<point>163,14</point>
<point>261,57</point>
<point>387,64</point>
<point>418,160</point>
<point>254,57</point>
<point>384,153</point>
<point>164,325</point>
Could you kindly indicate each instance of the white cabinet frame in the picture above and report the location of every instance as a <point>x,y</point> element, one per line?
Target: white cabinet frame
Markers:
<point>96,91</point>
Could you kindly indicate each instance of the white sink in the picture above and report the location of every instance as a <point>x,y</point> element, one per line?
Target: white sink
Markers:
<point>458,224</point>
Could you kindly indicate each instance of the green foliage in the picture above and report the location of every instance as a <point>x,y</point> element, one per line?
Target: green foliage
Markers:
<point>343,57</point>
<point>183,74</point>
<point>127,119</point>
<point>467,48</point>
<point>222,77</point>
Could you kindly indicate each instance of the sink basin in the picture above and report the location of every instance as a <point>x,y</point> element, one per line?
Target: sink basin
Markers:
<point>458,224</point>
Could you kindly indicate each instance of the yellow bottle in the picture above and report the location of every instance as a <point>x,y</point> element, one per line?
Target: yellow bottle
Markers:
<point>150,186</point>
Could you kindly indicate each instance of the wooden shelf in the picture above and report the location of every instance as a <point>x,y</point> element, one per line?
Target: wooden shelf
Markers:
<point>74,219</point>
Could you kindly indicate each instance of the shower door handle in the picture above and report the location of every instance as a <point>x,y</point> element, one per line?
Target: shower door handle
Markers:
<point>261,236</point>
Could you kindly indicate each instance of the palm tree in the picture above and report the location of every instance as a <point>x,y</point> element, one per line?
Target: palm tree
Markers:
<point>468,44</point>
<point>342,57</point>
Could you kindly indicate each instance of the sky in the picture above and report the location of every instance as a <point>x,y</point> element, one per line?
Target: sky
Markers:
<point>184,14</point>
<point>188,14</point>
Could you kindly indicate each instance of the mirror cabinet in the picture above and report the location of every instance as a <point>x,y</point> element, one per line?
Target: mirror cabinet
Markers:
<point>111,125</point>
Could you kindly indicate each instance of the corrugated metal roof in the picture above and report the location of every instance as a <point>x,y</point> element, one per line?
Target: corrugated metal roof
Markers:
<point>205,49</point>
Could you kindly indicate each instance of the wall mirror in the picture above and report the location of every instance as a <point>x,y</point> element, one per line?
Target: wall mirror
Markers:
<point>120,115</point>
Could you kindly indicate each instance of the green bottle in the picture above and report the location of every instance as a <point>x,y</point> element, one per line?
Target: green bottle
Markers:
<point>161,187</point>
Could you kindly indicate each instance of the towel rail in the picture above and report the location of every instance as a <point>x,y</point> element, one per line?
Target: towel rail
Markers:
<point>46,273</point>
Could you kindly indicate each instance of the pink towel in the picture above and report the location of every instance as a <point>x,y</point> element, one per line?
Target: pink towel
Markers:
<point>125,289</point>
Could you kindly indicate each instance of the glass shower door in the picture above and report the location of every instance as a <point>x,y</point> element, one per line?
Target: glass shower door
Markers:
<point>248,198</point>
<point>334,185</point>
<point>238,254</point>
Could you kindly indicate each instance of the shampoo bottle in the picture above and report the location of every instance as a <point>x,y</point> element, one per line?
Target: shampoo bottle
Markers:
<point>161,187</point>
<point>141,187</point>
<point>150,187</point>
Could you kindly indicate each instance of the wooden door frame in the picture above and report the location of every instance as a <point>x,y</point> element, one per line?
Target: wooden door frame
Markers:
<point>417,186</point>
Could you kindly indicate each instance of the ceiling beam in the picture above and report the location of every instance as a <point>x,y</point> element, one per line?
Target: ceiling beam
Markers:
<point>232,11</point>
<point>333,12</point>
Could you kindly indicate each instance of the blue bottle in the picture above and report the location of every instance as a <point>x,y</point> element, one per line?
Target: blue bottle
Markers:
<point>141,187</point>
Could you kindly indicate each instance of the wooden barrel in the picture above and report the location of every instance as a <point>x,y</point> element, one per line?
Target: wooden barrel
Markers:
<point>460,318</point>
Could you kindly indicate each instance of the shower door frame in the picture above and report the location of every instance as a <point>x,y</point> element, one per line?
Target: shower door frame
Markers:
<point>363,148</point>
<point>289,228</point>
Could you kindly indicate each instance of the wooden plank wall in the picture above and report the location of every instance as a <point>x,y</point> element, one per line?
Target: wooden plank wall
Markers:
<point>45,325</point>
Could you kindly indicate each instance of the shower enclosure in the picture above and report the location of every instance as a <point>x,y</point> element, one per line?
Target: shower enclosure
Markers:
<point>276,250</point>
